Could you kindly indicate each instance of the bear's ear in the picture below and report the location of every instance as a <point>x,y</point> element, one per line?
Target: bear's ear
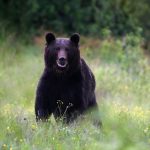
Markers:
<point>50,37</point>
<point>75,38</point>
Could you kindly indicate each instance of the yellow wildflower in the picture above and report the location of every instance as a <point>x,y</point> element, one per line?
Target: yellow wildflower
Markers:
<point>146,130</point>
<point>8,128</point>
<point>33,127</point>
<point>4,146</point>
<point>126,88</point>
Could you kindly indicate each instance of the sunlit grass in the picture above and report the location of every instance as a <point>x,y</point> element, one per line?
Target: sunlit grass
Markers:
<point>122,93</point>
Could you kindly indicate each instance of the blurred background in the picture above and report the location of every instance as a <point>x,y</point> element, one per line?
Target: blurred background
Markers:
<point>88,17</point>
<point>115,42</point>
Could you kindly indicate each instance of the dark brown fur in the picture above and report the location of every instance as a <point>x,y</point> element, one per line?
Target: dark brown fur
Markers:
<point>67,92</point>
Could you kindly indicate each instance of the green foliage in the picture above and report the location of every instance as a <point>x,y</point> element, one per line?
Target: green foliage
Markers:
<point>86,17</point>
<point>123,87</point>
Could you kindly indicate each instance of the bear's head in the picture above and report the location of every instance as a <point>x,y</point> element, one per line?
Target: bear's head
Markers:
<point>62,55</point>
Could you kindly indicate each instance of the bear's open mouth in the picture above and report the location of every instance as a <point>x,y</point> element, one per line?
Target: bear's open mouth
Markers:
<point>62,63</point>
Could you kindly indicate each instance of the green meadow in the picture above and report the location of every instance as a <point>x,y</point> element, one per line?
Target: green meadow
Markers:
<point>122,88</point>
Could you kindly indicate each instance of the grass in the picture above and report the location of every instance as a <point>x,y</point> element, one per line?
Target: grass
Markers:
<point>123,88</point>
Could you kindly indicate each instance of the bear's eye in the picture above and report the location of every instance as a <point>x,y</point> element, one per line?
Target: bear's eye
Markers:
<point>57,48</point>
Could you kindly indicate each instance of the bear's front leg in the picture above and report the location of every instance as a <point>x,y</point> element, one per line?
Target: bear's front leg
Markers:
<point>42,108</point>
<point>41,113</point>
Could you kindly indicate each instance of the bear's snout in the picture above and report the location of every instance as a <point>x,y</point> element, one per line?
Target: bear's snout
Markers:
<point>62,59</point>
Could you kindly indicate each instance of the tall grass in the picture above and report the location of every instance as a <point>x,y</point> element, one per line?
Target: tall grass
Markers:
<point>123,88</point>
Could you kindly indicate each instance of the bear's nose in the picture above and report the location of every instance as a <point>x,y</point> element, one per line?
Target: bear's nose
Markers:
<point>62,61</point>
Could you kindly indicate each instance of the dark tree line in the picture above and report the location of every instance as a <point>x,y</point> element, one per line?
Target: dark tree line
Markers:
<point>85,16</point>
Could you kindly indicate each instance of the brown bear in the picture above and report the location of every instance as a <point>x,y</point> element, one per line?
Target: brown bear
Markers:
<point>66,87</point>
